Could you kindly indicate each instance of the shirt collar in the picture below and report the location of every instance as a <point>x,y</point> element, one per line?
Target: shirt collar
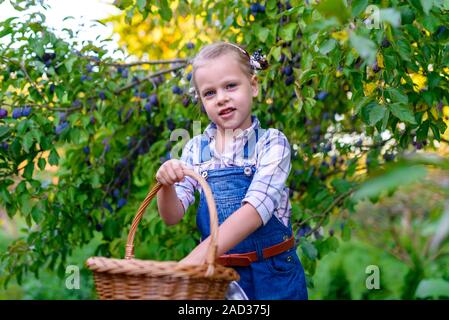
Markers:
<point>211,129</point>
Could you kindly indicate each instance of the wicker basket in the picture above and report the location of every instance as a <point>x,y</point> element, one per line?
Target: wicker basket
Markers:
<point>131,278</point>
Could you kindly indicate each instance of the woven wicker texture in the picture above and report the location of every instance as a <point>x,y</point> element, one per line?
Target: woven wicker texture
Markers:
<point>131,278</point>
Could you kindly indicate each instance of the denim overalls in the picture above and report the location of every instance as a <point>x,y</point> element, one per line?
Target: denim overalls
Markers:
<point>275,278</point>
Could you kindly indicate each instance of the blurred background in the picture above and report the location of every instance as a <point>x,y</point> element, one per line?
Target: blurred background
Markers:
<point>90,92</point>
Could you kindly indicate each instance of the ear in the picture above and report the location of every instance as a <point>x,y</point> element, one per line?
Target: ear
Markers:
<point>254,85</point>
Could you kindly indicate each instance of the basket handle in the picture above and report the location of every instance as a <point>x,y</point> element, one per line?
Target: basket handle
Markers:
<point>212,250</point>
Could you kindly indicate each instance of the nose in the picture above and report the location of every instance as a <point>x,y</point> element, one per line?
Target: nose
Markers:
<point>222,96</point>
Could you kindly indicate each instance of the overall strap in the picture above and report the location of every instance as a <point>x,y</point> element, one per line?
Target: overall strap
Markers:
<point>250,145</point>
<point>205,154</point>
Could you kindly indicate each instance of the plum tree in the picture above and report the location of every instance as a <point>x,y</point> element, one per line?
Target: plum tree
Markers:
<point>349,97</point>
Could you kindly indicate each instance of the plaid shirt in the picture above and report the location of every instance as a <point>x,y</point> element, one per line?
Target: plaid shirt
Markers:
<point>271,158</point>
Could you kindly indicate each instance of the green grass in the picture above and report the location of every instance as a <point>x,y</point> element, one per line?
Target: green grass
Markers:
<point>342,274</point>
<point>339,275</point>
<point>49,286</point>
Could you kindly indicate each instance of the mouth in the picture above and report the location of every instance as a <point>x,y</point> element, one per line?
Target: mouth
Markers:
<point>226,111</point>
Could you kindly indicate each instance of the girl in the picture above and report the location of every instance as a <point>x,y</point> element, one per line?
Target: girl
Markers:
<point>246,168</point>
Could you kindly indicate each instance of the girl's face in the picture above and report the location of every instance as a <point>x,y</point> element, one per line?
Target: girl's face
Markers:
<point>226,92</point>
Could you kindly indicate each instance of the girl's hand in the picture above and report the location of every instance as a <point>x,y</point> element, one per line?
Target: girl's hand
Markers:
<point>170,172</point>
<point>198,255</point>
<point>194,258</point>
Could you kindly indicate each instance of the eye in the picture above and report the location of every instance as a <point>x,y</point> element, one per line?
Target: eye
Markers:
<point>232,85</point>
<point>207,93</point>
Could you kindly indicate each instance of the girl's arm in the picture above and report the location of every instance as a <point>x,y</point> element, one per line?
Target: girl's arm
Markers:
<point>170,207</point>
<point>231,232</point>
<point>176,195</point>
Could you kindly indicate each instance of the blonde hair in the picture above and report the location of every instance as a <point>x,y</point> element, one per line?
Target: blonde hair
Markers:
<point>216,50</point>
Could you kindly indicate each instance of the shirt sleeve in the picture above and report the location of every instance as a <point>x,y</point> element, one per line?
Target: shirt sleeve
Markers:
<point>185,189</point>
<point>273,168</point>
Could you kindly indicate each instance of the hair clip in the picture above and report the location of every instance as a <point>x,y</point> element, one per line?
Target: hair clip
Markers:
<point>258,61</point>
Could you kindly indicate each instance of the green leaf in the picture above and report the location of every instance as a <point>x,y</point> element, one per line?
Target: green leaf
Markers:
<point>37,214</point>
<point>393,178</point>
<point>111,229</point>
<point>309,249</point>
<point>123,4</point>
<point>21,187</point>
<point>22,127</point>
<point>427,5</point>
<point>271,8</point>
<point>41,163</point>
<point>341,185</point>
<point>358,6</point>
<point>433,80</point>
<point>402,112</point>
<point>34,94</point>
<point>360,103</point>
<point>390,61</point>
<point>276,53</point>
<point>334,8</point>
<point>404,49</point>
<point>432,288</point>
<point>346,232</point>
<point>27,141</point>
<point>69,65</point>
<point>329,245</point>
<point>442,4</point>
<point>436,132</point>
<point>271,4</point>
<point>328,46</point>
<point>352,165</point>
<point>262,33</point>
<point>442,126</point>
<point>141,5</point>
<point>45,143</point>
<point>25,203</point>
<point>376,113</point>
<point>3,131</point>
<point>37,135</point>
<point>53,158</point>
<point>95,180</point>
<point>28,172</point>
<point>71,194</point>
<point>287,32</point>
<point>397,96</point>
<point>307,75</point>
<point>6,28</point>
<point>385,120</point>
<point>75,135</point>
<point>60,92</point>
<point>423,130</point>
<point>16,147</point>
<point>37,46</point>
<point>5,196</point>
<point>365,47</point>
<point>428,97</point>
<point>165,10</point>
<point>391,16</point>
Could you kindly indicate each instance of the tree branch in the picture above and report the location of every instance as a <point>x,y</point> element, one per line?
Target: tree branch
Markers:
<point>325,213</point>
<point>139,63</point>
<point>153,75</point>
<point>402,253</point>
<point>46,106</point>
<point>22,67</point>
